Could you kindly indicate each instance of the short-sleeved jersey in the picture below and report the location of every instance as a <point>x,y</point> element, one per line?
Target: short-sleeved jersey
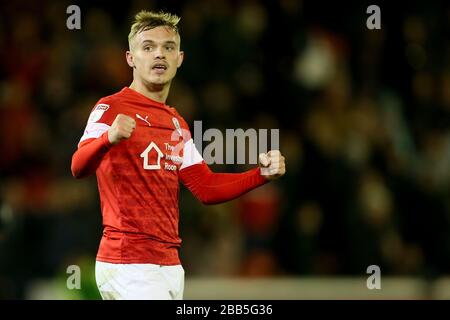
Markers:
<point>138,179</point>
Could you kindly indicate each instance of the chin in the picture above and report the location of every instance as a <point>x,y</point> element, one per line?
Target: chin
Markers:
<point>157,81</point>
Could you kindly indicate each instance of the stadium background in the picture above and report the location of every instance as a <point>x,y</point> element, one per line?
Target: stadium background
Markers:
<point>364,125</point>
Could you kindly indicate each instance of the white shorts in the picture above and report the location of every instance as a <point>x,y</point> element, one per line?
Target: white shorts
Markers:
<point>139,281</point>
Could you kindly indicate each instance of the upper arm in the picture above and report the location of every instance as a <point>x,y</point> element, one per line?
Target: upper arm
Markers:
<point>191,155</point>
<point>100,120</point>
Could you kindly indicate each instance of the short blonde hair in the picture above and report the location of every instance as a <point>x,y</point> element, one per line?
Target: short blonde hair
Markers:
<point>145,20</point>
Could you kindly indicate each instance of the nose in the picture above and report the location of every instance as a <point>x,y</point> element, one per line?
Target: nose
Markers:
<point>159,54</point>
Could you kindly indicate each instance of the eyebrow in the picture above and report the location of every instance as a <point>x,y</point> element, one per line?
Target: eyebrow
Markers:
<point>165,42</point>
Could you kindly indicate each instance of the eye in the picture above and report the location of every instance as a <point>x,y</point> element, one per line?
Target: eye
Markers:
<point>169,48</point>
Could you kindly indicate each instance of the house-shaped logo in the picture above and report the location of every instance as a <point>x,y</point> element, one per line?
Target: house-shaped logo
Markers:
<point>146,155</point>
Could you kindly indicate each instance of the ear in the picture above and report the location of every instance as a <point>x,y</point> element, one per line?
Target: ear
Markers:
<point>129,57</point>
<point>180,58</point>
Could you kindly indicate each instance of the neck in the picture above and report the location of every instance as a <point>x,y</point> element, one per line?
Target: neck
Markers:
<point>155,92</point>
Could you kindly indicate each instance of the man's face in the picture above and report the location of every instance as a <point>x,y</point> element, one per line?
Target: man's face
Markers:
<point>155,55</point>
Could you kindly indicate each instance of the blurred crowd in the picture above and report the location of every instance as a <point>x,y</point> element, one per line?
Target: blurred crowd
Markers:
<point>364,119</point>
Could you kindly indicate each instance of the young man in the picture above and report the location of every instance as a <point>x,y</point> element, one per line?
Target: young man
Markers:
<point>140,148</point>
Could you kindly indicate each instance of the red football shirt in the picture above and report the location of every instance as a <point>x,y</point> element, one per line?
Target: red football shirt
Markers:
<point>138,178</point>
<point>138,181</point>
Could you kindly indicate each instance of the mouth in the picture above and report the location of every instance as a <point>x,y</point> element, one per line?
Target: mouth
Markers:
<point>159,67</point>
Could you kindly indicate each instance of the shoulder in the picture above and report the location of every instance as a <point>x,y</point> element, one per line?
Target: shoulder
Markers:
<point>182,121</point>
<point>105,109</point>
<point>110,100</point>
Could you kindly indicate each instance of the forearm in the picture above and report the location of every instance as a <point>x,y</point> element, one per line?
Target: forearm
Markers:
<point>213,188</point>
<point>87,158</point>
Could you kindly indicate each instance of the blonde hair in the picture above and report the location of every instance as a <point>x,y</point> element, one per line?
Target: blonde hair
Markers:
<point>145,20</point>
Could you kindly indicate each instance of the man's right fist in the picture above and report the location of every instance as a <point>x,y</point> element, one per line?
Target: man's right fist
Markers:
<point>122,128</point>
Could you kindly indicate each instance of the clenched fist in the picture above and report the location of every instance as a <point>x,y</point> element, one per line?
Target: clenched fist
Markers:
<point>272,164</point>
<point>122,128</point>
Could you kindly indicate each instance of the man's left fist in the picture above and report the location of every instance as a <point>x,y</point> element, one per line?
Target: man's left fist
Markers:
<point>272,164</point>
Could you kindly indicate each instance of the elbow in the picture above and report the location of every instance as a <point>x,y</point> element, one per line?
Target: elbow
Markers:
<point>207,200</point>
<point>204,199</point>
<point>77,171</point>
<point>77,175</point>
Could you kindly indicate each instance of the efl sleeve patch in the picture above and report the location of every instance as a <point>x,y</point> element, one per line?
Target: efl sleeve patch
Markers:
<point>98,112</point>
